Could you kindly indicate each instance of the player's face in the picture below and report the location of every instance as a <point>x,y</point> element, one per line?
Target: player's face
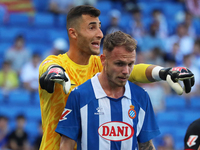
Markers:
<point>118,66</point>
<point>89,35</point>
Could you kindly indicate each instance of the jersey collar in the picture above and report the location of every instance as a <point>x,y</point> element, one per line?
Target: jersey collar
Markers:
<point>99,92</point>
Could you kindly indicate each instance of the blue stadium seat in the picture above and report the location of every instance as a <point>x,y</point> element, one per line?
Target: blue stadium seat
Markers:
<point>19,97</point>
<point>41,6</point>
<point>168,118</point>
<point>54,34</point>
<point>44,20</point>
<point>37,35</point>
<point>4,47</point>
<point>195,102</point>
<point>189,116</point>
<point>10,111</point>
<point>175,102</point>
<point>39,48</point>
<point>8,34</point>
<point>104,6</point>
<point>32,112</point>
<point>21,19</point>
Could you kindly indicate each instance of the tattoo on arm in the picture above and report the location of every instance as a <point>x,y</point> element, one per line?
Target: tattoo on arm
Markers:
<point>146,146</point>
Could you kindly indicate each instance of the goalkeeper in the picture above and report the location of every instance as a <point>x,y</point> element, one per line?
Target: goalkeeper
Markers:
<point>61,74</point>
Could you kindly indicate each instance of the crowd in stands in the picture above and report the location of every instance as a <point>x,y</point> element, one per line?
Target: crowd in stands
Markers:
<point>167,36</point>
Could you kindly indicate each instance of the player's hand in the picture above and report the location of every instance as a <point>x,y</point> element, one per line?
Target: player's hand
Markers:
<point>176,74</point>
<point>55,74</point>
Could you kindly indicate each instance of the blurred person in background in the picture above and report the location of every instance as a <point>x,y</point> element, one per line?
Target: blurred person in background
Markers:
<point>157,16</point>
<point>152,39</point>
<point>137,29</point>
<point>167,143</point>
<point>60,6</point>
<point>114,21</point>
<point>188,21</point>
<point>38,139</point>
<point>181,37</point>
<point>60,46</point>
<point>18,139</point>
<point>196,53</point>
<point>8,79</point>
<point>4,132</point>
<point>18,54</point>
<point>29,74</point>
<point>194,7</point>
<point>192,136</point>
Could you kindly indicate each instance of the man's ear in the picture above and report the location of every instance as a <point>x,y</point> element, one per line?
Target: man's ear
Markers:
<point>72,33</point>
<point>103,59</point>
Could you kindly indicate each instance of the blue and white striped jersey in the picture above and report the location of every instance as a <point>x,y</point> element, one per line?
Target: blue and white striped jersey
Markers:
<point>99,122</point>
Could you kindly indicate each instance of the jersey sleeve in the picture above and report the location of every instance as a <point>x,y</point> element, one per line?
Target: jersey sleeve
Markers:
<point>70,121</point>
<point>50,60</point>
<point>149,128</point>
<point>138,73</point>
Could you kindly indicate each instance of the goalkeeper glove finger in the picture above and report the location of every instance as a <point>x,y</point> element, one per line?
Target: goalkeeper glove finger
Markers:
<point>176,74</point>
<point>52,75</point>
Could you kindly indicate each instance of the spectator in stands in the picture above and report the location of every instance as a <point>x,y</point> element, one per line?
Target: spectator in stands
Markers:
<point>60,46</point>
<point>8,79</point>
<point>194,7</point>
<point>174,54</point>
<point>85,2</point>
<point>114,21</point>
<point>4,132</point>
<point>157,16</point>
<point>181,37</point>
<point>167,143</point>
<point>29,74</point>
<point>157,95</point>
<point>152,39</point>
<point>18,54</point>
<point>137,29</point>
<point>60,6</point>
<point>38,139</point>
<point>188,21</point>
<point>18,139</point>
<point>196,54</point>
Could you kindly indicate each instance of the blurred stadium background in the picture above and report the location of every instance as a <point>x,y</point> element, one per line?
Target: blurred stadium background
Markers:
<point>40,28</point>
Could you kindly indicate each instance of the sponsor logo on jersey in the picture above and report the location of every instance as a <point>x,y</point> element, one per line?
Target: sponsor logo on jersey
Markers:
<point>99,111</point>
<point>132,112</point>
<point>46,62</point>
<point>64,114</point>
<point>191,140</point>
<point>116,131</point>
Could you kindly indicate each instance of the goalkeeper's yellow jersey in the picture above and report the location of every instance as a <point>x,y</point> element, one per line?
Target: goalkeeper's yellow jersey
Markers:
<point>52,105</point>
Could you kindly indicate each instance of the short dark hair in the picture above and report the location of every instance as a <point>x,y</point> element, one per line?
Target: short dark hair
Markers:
<point>119,38</point>
<point>77,12</point>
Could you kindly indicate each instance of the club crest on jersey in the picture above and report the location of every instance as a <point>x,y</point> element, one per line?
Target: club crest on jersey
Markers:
<point>191,140</point>
<point>132,112</point>
<point>64,114</point>
<point>116,131</point>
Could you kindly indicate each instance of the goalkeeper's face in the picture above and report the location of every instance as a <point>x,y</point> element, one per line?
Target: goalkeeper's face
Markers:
<point>118,65</point>
<point>89,35</point>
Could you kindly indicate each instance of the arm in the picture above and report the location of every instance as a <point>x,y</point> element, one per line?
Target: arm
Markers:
<point>66,143</point>
<point>151,73</point>
<point>146,146</point>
